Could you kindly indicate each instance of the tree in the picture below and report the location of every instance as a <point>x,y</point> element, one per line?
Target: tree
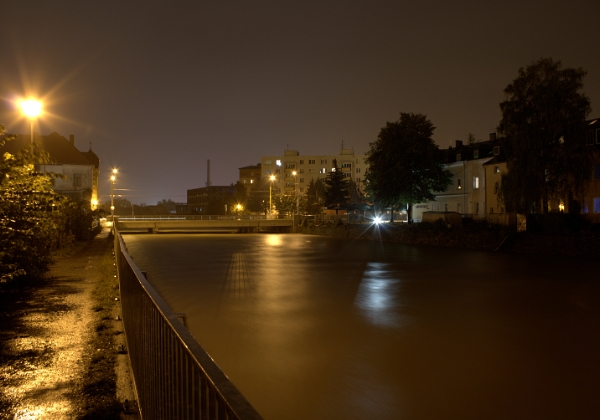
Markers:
<point>405,165</point>
<point>32,216</point>
<point>314,197</point>
<point>336,191</point>
<point>543,120</point>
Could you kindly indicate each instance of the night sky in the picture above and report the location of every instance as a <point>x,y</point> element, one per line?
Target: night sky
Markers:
<point>159,87</point>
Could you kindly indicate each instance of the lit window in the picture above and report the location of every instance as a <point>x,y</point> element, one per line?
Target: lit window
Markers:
<point>267,162</point>
<point>278,162</point>
<point>252,181</point>
<point>596,205</point>
<point>458,184</point>
<point>496,169</point>
<point>475,182</point>
<point>475,154</point>
<point>323,171</point>
<point>458,157</point>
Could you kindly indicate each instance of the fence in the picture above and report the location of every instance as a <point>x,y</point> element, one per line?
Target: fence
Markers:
<point>174,377</point>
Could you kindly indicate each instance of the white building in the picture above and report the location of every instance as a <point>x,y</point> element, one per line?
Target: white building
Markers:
<point>310,167</point>
<point>79,171</point>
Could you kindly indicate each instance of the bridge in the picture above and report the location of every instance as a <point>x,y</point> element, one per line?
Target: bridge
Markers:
<point>202,224</point>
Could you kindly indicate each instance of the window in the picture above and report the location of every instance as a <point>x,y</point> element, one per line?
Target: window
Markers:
<point>458,184</point>
<point>277,171</point>
<point>268,172</point>
<point>301,170</point>
<point>358,180</point>
<point>77,180</point>
<point>475,154</point>
<point>323,171</point>
<point>268,162</point>
<point>357,170</point>
<point>346,165</point>
<point>496,188</point>
<point>596,205</point>
<point>290,166</point>
<point>301,162</point>
<point>301,180</point>
<point>244,181</point>
<point>311,170</point>
<point>475,208</point>
<point>278,162</point>
<point>311,161</point>
<point>496,150</point>
<point>252,181</point>
<point>323,161</point>
<point>458,157</point>
<point>496,169</point>
<point>475,182</point>
<point>597,171</point>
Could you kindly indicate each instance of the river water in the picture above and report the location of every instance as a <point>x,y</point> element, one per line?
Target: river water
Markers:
<point>311,327</point>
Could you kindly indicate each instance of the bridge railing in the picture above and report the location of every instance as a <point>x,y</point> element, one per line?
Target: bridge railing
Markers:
<point>174,376</point>
<point>198,217</point>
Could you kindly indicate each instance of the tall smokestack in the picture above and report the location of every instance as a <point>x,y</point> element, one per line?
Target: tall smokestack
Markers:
<point>208,173</point>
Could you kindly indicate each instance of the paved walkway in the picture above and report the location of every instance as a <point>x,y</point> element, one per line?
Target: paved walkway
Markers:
<point>47,337</point>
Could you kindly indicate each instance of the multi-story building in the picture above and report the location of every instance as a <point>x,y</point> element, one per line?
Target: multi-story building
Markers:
<point>591,203</point>
<point>79,171</point>
<point>467,194</point>
<point>250,177</point>
<point>310,167</point>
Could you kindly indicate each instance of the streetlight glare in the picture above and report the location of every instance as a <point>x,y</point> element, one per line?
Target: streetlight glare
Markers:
<point>31,108</point>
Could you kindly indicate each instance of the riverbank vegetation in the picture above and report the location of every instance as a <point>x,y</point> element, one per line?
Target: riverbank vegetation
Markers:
<point>35,221</point>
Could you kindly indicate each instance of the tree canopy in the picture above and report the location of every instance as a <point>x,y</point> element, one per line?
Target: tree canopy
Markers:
<point>405,165</point>
<point>543,119</point>
<point>34,220</point>
<point>336,190</point>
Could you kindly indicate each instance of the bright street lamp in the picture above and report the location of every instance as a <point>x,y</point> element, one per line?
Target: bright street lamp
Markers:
<point>31,109</point>
<point>296,187</point>
<point>271,178</point>
<point>112,196</point>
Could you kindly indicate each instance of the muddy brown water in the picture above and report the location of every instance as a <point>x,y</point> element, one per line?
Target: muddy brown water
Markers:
<point>321,328</point>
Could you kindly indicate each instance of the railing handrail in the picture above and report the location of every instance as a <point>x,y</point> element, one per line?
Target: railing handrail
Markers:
<point>212,394</point>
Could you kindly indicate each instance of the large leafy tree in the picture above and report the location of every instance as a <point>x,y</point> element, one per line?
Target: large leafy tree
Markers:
<point>336,190</point>
<point>32,216</point>
<point>405,165</point>
<point>543,120</point>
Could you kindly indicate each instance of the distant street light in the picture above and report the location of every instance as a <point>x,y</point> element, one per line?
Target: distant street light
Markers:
<point>31,109</point>
<point>113,177</point>
<point>296,188</point>
<point>271,178</point>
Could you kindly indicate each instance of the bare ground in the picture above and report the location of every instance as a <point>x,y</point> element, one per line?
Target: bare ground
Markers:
<point>59,339</point>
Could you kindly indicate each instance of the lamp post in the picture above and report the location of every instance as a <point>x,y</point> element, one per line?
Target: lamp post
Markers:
<point>296,186</point>
<point>113,177</point>
<point>271,178</point>
<point>31,109</point>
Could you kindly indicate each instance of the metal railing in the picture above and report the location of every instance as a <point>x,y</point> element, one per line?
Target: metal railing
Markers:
<point>174,376</point>
<point>199,217</point>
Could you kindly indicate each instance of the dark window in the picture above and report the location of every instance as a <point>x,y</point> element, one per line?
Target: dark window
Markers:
<point>597,171</point>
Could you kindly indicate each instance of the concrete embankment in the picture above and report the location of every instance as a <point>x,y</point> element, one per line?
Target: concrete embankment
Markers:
<point>477,236</point>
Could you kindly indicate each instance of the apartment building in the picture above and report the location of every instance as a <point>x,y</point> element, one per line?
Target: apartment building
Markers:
<point>293,171</point>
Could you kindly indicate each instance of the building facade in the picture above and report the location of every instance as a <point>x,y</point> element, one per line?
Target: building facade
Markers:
<point>310,168</point>
<point>78,171</point>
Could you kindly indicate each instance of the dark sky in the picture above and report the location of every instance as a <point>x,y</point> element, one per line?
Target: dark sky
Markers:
<point>159,87</point>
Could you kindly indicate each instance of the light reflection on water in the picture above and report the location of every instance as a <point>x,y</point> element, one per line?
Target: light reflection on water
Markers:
<point>312,327</point>
<point>377,295</point>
